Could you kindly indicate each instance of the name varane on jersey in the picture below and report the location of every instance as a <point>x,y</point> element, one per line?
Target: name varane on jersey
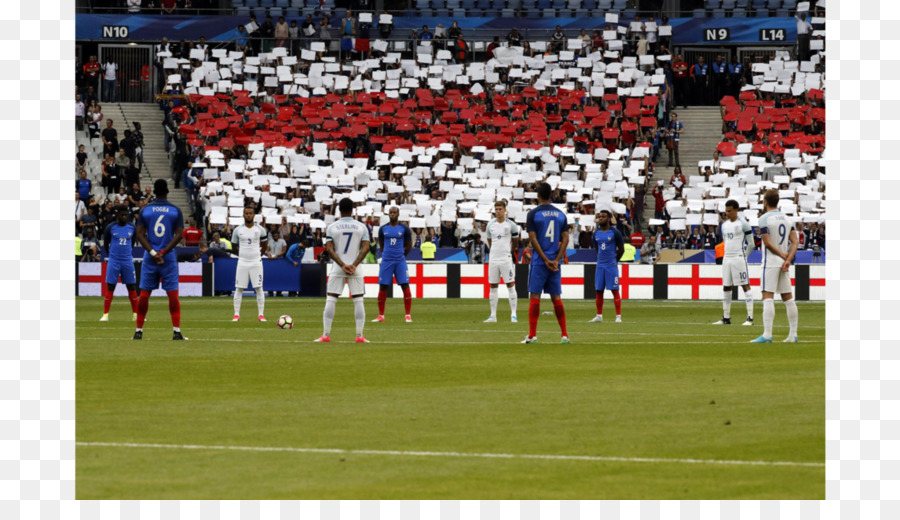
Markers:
<point>548,224</point>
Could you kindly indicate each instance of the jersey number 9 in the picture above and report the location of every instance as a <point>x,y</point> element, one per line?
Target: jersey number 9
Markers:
<point>782,231</point>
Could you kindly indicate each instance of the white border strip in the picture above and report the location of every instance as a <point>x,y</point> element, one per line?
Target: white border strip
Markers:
<point>591,458</point>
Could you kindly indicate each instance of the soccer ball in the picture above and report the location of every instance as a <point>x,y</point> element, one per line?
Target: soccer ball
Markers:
<point>285,322</point>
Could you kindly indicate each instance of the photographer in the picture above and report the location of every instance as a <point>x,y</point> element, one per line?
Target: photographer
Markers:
<point>475,248</point>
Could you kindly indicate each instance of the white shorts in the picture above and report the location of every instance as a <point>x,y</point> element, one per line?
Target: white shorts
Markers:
<point>735,272</point>
<point>504,269</point>
<point>336,284</point>
<point>248,273</point>
<point>776,281</point>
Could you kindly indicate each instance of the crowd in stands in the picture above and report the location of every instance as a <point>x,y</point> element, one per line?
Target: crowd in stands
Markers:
<point>289,129</point>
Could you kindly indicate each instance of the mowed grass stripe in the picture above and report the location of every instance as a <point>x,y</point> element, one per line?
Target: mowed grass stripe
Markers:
<point>592,458</point>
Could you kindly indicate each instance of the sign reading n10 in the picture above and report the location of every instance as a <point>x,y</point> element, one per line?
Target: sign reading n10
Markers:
<point>716,35</point>
<point>115,31</point>
<point>772,35</point>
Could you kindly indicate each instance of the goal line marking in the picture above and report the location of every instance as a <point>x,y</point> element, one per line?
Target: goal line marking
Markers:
<point>589,458</point>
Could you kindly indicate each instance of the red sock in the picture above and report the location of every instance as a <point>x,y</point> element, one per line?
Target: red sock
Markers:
<point>617,300</point>
<point>560,316</point>
<point>107,301</point>
<point>534,311</point>
<point>133,298</point>
<point>407,300</point>
<point>143,303</point>
<point>382,299</point>
<point>174,308</point>
<point>598,299</point>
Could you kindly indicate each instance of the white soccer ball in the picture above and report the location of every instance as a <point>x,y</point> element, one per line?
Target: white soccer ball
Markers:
<point>285,322</point>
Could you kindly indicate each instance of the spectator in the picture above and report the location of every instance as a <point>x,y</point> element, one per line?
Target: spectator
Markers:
<point>449,234</point>
<point>84,187</point>
<point>696,241</point>
<point>168,6</point>
<point>493,45</point>
<point>282,33</point>
<point>110,138</point>
<point>455,32</point>
<point>308,30</point>
<point>804,30</point>
<point>240,41</point>
<point>700,82</point>
<point>80,210</point>
<point>79,113</point>
<point>558,40</point>
<point>475,249</point>
<point>718,78</point>
<point>711,238</point>
<point>675,129</point>
<point>650,251</point>
<point>92,74</point>
<point>138,137</point>
<point>80,159</point>
<point>637,239</point>
<point>90,247</point>
<point>678,181</point>
<point>277,246</point>
<point>665,42</point>
<point>425,34</point>
<point>89,221</point>
<point>514,39</point>
<point>266,33</point>
<point>294,36</point>
<point>678,242</point>
<point>597,41</point>
<point>121,198</point>
<point>192,235</point>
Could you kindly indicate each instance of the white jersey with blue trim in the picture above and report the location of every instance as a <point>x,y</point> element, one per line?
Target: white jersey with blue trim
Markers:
<point>347,235</point>
<point>778,227</point>
<point>734,234</point>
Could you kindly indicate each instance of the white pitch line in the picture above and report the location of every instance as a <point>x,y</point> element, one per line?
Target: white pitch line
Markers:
<point>552,341</point>
<point>589,458</point>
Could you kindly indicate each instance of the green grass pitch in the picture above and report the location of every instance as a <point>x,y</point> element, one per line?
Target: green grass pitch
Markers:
<point>662,406</point>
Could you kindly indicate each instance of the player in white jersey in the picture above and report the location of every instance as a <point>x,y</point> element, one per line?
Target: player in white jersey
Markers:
<point>251,240</point>
<point>347,243</point>
<point>737,234</point>
<point>502,239</point>
<point>780,245</point>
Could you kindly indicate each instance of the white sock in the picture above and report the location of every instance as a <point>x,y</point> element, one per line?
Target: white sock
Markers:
<point>513,300</point>
<point>768,317</point>
<point>726,303</point>
<point>238,296</point>
<point>328,315</point>
<point>359,312</point>
<point>260,301</point>
<point>793,316</point>
<point>748,299</point>
<point>177,329</point>
<point>495,294</point>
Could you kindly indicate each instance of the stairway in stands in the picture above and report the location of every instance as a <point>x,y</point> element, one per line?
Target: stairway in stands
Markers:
<point>702,133</point>
<point>157,161</point>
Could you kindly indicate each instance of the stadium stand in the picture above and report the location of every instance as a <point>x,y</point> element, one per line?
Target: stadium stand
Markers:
<point>443,133</point>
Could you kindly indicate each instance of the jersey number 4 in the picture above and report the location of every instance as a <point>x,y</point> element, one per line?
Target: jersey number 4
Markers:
<point>550,233</point>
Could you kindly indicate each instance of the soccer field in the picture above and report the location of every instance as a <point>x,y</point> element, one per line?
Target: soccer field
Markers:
<point>662,406</point>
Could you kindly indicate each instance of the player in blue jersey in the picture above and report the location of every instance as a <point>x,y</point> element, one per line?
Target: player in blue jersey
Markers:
<point>159,228</point>
<point>548,233</point>
<point>395,242</point>
<point>610,248</point>
<point>117,239</point>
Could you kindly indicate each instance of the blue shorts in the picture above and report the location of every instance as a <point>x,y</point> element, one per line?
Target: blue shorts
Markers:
<point>167,273</point>
<point>543,280</point>
<point>393,269</point>
<point>606,278</point>
<point>125,269</point>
